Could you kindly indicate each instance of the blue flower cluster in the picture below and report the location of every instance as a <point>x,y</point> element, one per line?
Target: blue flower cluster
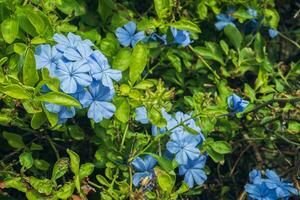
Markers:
<point>143,169</point>
<point>270,188</point>
<point>128,36</point>
<point>250,26</point>
<point>84,74</point>
<point>236,103</point>
<point>183,144</point>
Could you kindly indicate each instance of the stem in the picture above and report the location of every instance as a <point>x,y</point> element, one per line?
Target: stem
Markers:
<point>95,185</point>
<point>204,62</point>
<point>290,40</point>
<point>53,147</point>
<point>123,138</point>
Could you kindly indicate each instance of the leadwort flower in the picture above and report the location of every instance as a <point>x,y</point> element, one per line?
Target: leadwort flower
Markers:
<point>193,171</point>
<point>236,103</point>
<point>141,115</point>
<point>181,37</point>
<point>127,35</point>
<point>143,168</point>
<point>97,98</point>
<point>223,20</point>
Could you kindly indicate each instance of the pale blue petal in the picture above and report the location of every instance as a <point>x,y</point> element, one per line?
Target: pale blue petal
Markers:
<point>139,164</point>
<point>130,27</point>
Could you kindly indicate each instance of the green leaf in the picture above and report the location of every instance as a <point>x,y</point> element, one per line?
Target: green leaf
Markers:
<point>221,147</point>
<point>271,18</point>
<point>26,160</point>
<point>52,117</point>
<point>71,6</point>
<point>105,8</point>
<point>164,163</point>
<point>122,60</point>
<point>211,51</point>
<point>163,7</point>
<point>15,183</point>
<point>30,75</point>
<point>102,180</point>
<point>202,10</point>
<point>185,24</point>
<point>293,127</point>
<point>175,61</point>
<point>43,186</point>
<point>250,92</point>
<point>15,91</point>
<point>14,140</point>
<point>123,109</point>
<point>10,29</point>
<point>74,161</point>
<point>59,98</point>
<point>166,181</point>
<point>60,168</point>
<point>38,119</point>
<point>41,164</point>
<point>259,46</point>
<point>65,191</point>
<point>85,170</point>
<point>145,84</point>
<point>138,62</point>
<point>217,157</point>
<point>234,36</point>
<point>156,118</point>
<point>76,132</point>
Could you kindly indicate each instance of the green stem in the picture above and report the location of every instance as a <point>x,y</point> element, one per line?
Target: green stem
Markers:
<point>53,147</point>
<point>290,40</point>
<point>204,62</point>
<point>124,137</point>
<point>95,185</point>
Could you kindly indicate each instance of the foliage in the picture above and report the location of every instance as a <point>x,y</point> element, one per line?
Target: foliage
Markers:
<point>158,99</point>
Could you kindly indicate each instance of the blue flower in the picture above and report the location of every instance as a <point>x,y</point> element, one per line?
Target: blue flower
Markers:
<point>73,75</point>
<point>181,37</point>
<point>236,103</point>
<point>64,112</point>
<point>97,98</point>
<point>268,188</point>
<point>79,53</point>
<point>223,20</point>
<point>127,36</point>
<point>71,41</point>
<point>272,33</point>
<point>141,115</point>
<point>283,189</point>
<point>47,57</point>
<point>155,130</point>
<point>100,69</point>
<point>252,12</point>
<point>193,171</point>
<point>184,145</point>
<point>260,192</point>
<point>156,37</point>
<point>180,117</point>
<point>143,168</point>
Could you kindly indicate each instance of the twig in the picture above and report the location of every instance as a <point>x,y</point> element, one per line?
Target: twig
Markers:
<point>237,161</point>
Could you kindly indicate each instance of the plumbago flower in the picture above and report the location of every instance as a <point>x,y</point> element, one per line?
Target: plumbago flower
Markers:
<point>236,103</point>
<point>223,20</point>
<point>141,115</point>
<point>127,35</point>
<point>47,56</point>
<point>269,188</point>
<point>193,171</point>
<point>181,37</point>
<point>97,98</point>
<point>84,74</point>
<point>143,168</point>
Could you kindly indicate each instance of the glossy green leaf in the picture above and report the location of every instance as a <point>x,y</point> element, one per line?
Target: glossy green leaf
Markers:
<point>10,29</point>
<point>30,75</point>
<point>185,24</point>
<point>138,62</point>
<point>86,170</point>
<point>234,36</point>
<point>15,91</point>
<point>59,98</point>
<point>26,160</point>
<point>14,140</point>
<point>74,161</point>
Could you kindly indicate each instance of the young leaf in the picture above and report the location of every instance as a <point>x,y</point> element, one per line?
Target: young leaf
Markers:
<point>15,91</point>
<point>138,61</point>
<point>234,36</point>
<point>165,180</point>
<point>65,191</point>
<point>10,29</point>
<point>60,168</point>
<point>74,161</point>
<point>123,110</point>
<point>38,120</point>
<point>59,98</point>
<point>185,24</point>
<point>85,170</point>
<point>30,75</point>
<point>14,140</point>
<point>221,147</point>
<point>26,160</point>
